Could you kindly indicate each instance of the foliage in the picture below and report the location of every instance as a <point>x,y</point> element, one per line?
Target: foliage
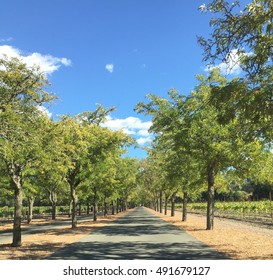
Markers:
<point>243,37</point>
<point>246,33</point>
<point>240,206</point>
<point>197,147</point>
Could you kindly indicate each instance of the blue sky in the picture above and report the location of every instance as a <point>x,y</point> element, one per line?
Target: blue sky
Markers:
<point>111,52</point>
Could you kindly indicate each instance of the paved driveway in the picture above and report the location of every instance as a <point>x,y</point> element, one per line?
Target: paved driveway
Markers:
<point>138,235</point>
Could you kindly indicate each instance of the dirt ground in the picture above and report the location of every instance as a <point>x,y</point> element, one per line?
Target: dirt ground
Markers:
<point>238,240</point>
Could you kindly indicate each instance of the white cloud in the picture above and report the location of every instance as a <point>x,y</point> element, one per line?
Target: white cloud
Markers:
<point>143,140</point>
<point>143,132</point>
<point>231,65</point>
<point>47,63</point>
<point>132,126</point>
<point>9,51</point>
<point>129,122</point>
<point>44,111</point>
<point>109,67</point>
<point>128,131</point>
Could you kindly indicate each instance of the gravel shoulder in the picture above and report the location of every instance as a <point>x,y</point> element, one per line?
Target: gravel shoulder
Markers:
<point>237,239</point>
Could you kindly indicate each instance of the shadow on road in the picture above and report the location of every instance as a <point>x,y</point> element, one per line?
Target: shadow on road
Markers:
<point>139,250</point>
<point>138,235</point>
<point>137,229</point>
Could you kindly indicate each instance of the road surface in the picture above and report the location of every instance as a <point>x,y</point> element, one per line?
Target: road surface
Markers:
<point>138,235</point>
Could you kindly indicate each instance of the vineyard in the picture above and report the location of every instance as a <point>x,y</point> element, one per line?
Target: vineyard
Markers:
<point>38,211</point>
<point>254,211</point>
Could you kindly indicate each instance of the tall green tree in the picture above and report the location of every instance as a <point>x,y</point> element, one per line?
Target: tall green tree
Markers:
<point>75,150</point>
<point>49,173</point>
<point>192,123</point>
<point>88,148</point>
<point>22,89</point>
<point>243,36</point>
<point>104,153</point>
<point>127,169</point>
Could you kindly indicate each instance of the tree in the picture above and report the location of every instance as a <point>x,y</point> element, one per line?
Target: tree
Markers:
<point>21,85</point>
<point>21,125</point>
<point>244,37</point>
<point>183,170</point>
<point>31,189</point>
<point>241,35</point>
<point>87,146</point>
<point>127,169</point>
<point>75,150</point>
<point>103,156</point>
<point>192,124</point>
<point>6,193</point>
<point>49,173</point>
<point>102,179</point>
<point>148,181</point>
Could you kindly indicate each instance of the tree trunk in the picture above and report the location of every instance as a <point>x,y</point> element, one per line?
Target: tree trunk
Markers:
<point>74,206</point>
<point>30,208</point>
<point>105,207</point>
<point>185,203</point>
<point>80,208</point>
<point>166,205</point>
<point>88,208</point>
<point>95,205</point>
<point>73,183</point>
<point>53,210</point>
<point>18,201</point>
<point>117,206</point>
<point>122,205</point>
<point>70,209</point>
<point>53,200</point>
<point>113,208</point>
<point>210,205</point>
<point>160,202</point>
<point>15,174</point>
<point>173,204</point>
